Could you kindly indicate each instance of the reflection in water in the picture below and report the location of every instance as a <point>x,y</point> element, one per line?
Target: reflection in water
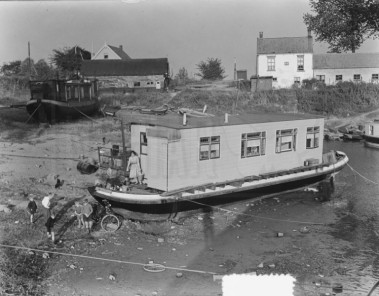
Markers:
<point>208,226</point>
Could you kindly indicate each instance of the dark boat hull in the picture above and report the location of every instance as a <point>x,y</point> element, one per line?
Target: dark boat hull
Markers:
<point>50,110</point>
<point>371,141</point>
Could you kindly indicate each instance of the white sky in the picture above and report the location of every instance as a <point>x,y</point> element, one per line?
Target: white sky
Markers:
<point>184,31</point>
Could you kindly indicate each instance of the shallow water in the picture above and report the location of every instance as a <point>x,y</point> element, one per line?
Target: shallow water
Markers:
<point>358,184</point>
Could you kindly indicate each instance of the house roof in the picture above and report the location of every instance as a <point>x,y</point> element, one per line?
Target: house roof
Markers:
<point>120,52</point>
<point>345,60</point>
<point>284,45</point>
<point>175,121</point>
<point>132,67</point>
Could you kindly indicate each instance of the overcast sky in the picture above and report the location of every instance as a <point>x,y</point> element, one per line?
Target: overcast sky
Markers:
<point>184,31</point>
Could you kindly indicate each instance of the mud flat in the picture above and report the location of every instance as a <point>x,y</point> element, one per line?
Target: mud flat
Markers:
<point>232,239</point>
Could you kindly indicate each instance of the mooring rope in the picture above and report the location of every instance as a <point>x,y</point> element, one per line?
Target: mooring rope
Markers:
<point>33,113</point>
<point>84,114</point>
<point>256,216</point>
<point>40,157</point>
<point>359,174</point>
<point>102,259</point>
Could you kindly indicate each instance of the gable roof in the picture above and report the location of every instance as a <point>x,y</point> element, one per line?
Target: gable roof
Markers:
<point>284,45</point>
<point>345,60</point>
<point>120,52</point>
<point>132,67</point>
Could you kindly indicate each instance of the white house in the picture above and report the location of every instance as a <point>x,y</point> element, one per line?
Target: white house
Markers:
<point>335,67</point>
<point>287,60</point>
<point>109,52</point>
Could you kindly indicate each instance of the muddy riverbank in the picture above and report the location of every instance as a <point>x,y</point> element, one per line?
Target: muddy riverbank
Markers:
<point>321,243</point>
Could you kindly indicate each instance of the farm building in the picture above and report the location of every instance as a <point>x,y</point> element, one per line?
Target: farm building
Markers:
<point>336,67</point>
<point>177,151</point>
<point>127,75</point>
<point>288,60</point>
<point>109,52</point>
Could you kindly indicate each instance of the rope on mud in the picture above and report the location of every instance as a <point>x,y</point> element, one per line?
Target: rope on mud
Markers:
<point>359,174</point>
<point>259,217</point>
<point>85,114</point>
<point>43,157</point>
<point>102,259</point>
<point>33,113</point>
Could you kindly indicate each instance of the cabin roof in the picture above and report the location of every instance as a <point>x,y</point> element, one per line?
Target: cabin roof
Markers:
<point>284,45</point>
<point>175,121</point>
<point>345,60</point>
<point>132,67</point>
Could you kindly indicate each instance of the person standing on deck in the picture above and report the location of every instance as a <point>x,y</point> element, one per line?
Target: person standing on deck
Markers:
<point>134,168</point>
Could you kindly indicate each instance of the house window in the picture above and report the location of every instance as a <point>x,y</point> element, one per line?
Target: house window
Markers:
<point>253,144</point>
<point>286,140</point>
<point>357,77</point>
<point>274,79</point>
<point>143,144</point>
<point>297,80</point>
<point>209,147</point>
<point>137,84</point>
<point>320,78</point>
<point>338,78</point>
<point>105,56</point>
<point>300,63</point>
<point>375,77</point>
<point>313,137</point>
<point>286,63</point>
<point>271,63</point>
<point>371,130</point>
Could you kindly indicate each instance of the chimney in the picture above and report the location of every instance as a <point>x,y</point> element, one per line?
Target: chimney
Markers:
<point>310,40</point>
<point>120,47</point>
<point>260,34</point>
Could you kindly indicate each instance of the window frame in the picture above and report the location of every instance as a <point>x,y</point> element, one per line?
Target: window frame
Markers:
<point>339,77</point>
<point>314,133</point>
<point>320,78</point>
<point>260,136</point>
<point>300,63</point>
<point>209,142</point>
<point>374,77</point>
<point>143,143</point>
<point>280,134</point>
<point>357,75</point>
<point>270,63</point>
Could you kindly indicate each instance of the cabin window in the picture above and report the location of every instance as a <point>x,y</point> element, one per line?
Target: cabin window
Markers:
<point>253,144</point>
<point>313,137</point>
<point>300,63</point>
<point>357,77</point>
<point>338,78</point>
<point>143,143</point>
<point>271,63</point>
<point>209,147</point>
<point>286,140</point>
<point>371,130</point>
<point>86,92</point>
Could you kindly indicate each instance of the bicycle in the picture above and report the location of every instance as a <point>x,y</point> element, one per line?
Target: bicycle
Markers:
<point>108,219</point>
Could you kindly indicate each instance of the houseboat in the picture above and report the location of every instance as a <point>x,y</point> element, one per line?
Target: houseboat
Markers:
<point>189,162</point>
<point>53,100</point>
<point>371,134</point>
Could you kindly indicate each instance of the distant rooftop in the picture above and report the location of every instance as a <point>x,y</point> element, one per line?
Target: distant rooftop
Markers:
<point>120,52</point>
<point>285,45</point>
<point>132,67</point>
<point>175,121</point>
<point>345,60</point>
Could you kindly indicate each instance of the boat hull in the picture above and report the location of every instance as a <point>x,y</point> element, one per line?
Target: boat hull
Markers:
<point>50,110</point>
<point>370,141</point>
<point>170,204</point>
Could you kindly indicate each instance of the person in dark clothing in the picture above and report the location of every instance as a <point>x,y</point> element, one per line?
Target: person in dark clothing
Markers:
<point>31,208</point>
<point>49,227</point>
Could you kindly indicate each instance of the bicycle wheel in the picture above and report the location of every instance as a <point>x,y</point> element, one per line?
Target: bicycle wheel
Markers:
<point>110,223</point>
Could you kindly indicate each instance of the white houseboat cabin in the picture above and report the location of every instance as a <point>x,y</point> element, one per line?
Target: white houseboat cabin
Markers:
<point>182,151</point>
<point>371,134</point>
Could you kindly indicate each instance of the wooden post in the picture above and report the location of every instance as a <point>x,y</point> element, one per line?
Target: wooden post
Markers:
<point>123,147</point>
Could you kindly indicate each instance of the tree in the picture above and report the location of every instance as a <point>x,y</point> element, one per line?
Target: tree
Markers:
<point>11,68</point>
<point>343,24</point>
<point>182,75</point>
<point>211,69</point>
<point>69,60</point>
<point>43,70</point>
